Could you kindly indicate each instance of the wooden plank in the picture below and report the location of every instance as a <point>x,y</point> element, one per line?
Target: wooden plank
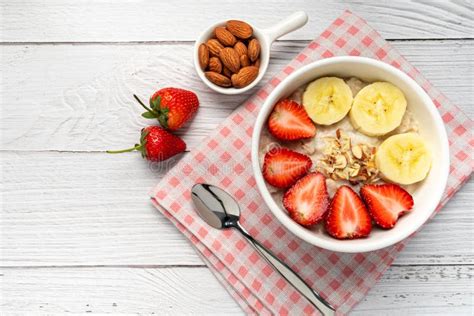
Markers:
<point>437,290</point>
<point>421,290</point>
<point>108,20</point>
<point>173,291</point>
<point>47,108</point>
<point>69,209</point>
<point>85,209</point>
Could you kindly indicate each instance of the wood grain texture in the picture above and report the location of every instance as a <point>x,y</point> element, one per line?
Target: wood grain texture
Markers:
<point>421,290</point>
<point>76,232</point>
<point>180,291</point>
<point>171,291</point>
<point>63,209</point>
<point>93,109</point>
<point>108,20</point>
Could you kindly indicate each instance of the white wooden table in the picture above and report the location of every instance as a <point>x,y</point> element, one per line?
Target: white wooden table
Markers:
<point>77,231</point>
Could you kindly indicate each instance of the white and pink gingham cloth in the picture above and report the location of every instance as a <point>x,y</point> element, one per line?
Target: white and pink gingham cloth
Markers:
<point>223,159</point>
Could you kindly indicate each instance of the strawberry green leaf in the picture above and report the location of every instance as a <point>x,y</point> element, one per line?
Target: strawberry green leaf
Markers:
<point>163,117</point>
<point>141,149</point>
<point>148,115</point>
<point>143,136</point>
<point>155,103</point>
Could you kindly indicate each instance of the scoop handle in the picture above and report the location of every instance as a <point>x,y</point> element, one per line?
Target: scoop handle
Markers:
<point>294,279</point>
<point>287,25</point>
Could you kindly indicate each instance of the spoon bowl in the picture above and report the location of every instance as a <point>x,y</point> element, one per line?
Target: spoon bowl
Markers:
<point>215,206</point>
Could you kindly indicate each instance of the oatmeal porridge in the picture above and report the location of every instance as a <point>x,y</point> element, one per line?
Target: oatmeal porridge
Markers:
<point>365,139</point>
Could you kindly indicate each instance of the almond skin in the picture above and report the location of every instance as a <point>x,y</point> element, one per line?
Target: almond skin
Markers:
<point>254,49</point>
<point>218,79</point>
<point>230,59</point>
<point>244,77</point>
<point>215,65</point>
<point>226,72</point>
<point>257,63</point>
<point>244,61</point>
<point>240,48</point>
<point>239,29</point>
<point>203,53</point>
<point>225,37</point>
<point>214,47</point>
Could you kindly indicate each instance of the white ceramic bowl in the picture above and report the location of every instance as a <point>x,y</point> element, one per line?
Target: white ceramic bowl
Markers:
<point>266,37</point>
<point>427,194</point>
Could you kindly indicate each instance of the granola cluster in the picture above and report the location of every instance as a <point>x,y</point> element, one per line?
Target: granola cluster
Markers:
<point>344,161</point>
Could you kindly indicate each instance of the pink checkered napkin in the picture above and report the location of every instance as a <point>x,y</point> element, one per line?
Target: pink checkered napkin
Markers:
<point>223,159</point>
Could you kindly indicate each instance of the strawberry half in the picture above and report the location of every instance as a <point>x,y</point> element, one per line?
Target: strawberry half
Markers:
<point>307,200</point>
<point>347,217</point>
<point>283,167</point>
<point>386,203</point>
<point>289,121</point>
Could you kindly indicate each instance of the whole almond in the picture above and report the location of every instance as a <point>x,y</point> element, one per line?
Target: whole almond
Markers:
<point>226,72</point>
<point>240,48</point>
<point>215,65</point>
<point>254,49</point>
<point>244,61</point>
<point>214,46</point>
<point>244,77</point>
<point>203,55</point>
<point>239,29</point>
<point>218,79</point>
<point>225,37</point>
<point>257,63</point>
<point>230,59</point>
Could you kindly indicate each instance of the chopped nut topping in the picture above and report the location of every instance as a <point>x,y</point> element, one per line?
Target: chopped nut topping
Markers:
<point>356,151</point>
<point>341,162</point>
<point>344,161</point>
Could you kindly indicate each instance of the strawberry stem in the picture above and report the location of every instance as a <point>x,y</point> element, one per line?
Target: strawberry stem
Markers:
<point>136,147</point>
<point>142,104</point>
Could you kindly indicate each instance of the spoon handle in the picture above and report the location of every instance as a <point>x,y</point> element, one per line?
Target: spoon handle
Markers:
<point>324,307</point>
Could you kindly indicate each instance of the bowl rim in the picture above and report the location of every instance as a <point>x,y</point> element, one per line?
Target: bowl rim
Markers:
<point>309,236</point>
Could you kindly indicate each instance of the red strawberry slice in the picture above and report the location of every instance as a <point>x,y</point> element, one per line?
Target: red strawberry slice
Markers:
<point>283,167</point>
<point>289,121</point>
<point>386,203</point>
<point>347,217</point>
<point>307,200</point>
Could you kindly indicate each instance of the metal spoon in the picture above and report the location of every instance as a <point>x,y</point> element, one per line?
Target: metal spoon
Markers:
<point>219,209</point>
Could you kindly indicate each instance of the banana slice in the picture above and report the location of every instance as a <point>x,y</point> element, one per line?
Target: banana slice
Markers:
<point>327,100</point>
<point>378,109</point>
<point>403,158</point>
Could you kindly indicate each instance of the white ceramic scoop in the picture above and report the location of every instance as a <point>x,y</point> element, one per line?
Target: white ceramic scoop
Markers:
<point>265,36</point>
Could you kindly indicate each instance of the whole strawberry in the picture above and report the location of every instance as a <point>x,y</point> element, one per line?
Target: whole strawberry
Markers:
<point>156,144</point>
<point>171,106</point>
